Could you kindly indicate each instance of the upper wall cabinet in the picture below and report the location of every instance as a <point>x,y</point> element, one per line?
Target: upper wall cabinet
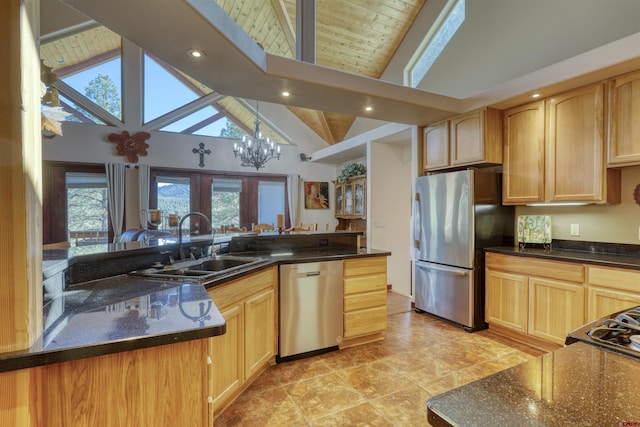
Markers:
<point>557,154</point>
<point>624,120</point>
<point>470,139</point>
<point>523,169</point>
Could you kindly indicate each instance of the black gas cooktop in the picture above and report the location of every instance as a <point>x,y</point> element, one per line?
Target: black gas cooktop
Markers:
<point>618,332</point>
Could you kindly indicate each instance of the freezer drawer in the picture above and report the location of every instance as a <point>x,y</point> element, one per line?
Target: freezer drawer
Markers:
<point>445,291</point>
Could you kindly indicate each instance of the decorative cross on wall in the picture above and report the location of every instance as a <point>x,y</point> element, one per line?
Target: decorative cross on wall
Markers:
<point>201,152</point>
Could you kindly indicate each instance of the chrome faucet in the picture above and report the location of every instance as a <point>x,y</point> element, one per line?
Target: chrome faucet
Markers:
<point>213,232</point>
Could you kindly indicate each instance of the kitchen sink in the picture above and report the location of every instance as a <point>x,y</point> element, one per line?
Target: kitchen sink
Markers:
<point>201,270</point>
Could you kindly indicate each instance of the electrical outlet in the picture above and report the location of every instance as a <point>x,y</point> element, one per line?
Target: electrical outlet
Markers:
<point>575,229</point>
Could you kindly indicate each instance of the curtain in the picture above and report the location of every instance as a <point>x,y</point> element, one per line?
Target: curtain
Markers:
<point>143,192</point>
<point>115,193</point>
<point>293,187</point>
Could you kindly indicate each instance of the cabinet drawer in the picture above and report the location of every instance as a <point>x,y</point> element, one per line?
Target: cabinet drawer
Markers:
<point>616,278</point>
<point>559,270</point>
<point>365,300</point>
<point>371,282</point>
<point>368,265</point>
<point>225,295</point>
<point>364,322</point>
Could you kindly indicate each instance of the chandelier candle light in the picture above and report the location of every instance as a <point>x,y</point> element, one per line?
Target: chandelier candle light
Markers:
<point>256,151</point>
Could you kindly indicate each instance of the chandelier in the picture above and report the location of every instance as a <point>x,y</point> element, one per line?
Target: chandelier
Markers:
<point>256,151</point>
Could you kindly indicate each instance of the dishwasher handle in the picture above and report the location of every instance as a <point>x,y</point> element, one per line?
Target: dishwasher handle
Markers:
<point>313,273</point>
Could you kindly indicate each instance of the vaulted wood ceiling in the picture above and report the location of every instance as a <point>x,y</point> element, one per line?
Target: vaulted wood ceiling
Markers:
<point>358,36</point>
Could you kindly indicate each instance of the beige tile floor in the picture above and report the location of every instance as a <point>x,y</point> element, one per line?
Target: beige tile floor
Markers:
<point>379,384</point>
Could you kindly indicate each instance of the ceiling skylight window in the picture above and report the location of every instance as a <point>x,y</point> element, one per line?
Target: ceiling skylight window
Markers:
<point>441,32</point>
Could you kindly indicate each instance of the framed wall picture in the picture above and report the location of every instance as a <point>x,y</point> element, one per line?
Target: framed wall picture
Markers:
<point>316,195</point>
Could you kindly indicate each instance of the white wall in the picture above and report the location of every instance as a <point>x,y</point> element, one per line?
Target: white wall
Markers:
<point>389,208</point>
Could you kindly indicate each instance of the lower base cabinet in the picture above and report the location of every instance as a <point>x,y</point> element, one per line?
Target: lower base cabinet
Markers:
<point>146,387</point>
<point>555,309</point>
<point>611,290</point>
<point>507,297</point>
<point>236,358</point>
<point>539,301</point>
<point>365,299</point>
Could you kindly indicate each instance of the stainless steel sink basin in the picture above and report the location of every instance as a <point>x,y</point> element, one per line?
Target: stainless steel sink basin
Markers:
<point>201,270</point>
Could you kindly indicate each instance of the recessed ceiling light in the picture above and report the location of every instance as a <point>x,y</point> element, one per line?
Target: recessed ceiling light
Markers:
<point>536,95</point>
<point>368,108</point>
<point>195,53</point>
<point>60,60</point>
<point>285,93</point>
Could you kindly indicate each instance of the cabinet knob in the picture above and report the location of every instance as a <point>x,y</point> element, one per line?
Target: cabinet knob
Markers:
<point>209,361</point>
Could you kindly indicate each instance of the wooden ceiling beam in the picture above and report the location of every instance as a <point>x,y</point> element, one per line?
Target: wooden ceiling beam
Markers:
<point>327,129</point>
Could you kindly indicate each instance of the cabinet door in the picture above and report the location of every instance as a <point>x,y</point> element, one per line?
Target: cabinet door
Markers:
<point>467,145</point>
<point>359,197</point>
<point>365,322</point>
<point>603,302</point>
<point>624,126</point>
<point>339,199</point>
<point>436,146</point>
<point>523,168</point>
<point>226,372</point>
<point>555,309</point>
<point>259,331</point>
<point>575,145</point>
<point>348,199</point>
<point>507,300</point>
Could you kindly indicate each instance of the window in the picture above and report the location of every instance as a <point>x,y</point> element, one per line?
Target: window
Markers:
<point>225,202</point>
<point>238,199</point>
<point>75,204</point>
<point>434,42</point>
<point>271,196</point>
<point>164,91</point>
<point>90,63</point>
<point>174,196</point>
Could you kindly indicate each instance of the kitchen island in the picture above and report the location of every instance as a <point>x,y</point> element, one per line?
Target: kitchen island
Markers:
<point>580,385</point>
<point>146,347</point>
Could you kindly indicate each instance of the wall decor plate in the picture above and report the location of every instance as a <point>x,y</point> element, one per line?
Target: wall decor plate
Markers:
<point>534,229</point>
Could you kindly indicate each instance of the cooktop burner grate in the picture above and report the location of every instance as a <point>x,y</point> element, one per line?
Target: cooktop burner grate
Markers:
<point>620,332</point>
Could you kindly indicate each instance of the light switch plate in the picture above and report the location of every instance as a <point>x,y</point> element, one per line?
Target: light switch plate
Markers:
<point>575,229</point>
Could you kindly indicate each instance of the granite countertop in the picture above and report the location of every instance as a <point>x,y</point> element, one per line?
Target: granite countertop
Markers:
<point>605,254</point>
<point>126,312</point>
<point>119,314</point>
<point>580,385</point>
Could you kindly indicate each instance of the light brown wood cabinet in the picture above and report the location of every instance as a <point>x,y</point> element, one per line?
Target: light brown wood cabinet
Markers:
<point>540,300</point>
<point>365,299</point>
<point>145,387</point>
<point>507,300</point>
<point>469,139</point>
<point>351,198</point>
<point>554,150</point>
<point>611,290</point>
<point>248,306</point>
<point>555,308</point>
<point>624,126</point>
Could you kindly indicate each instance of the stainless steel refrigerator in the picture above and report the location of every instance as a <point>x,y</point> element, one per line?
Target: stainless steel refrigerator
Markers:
<point>455,216</point>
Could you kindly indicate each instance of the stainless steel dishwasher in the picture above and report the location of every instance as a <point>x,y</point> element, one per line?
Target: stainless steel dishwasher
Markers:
<point>311,301</point>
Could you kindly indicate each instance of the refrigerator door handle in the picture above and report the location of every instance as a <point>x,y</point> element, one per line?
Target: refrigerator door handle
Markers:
<point>449,270</point>
<point>417,223</point>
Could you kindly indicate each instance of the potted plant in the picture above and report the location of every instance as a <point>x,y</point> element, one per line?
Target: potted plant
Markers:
<point>352,169</point>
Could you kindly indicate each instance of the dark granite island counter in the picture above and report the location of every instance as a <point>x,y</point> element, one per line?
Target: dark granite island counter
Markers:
<point>580,385</point>
<point>119,314</point>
